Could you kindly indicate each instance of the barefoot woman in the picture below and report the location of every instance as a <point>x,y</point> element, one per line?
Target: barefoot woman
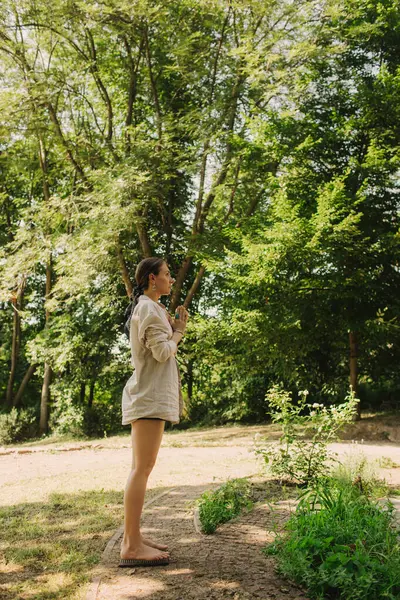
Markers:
<point>151,396</point>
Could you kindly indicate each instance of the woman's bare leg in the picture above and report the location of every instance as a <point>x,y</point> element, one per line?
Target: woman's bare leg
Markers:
<point>145,539</point>
<point>146,440</point>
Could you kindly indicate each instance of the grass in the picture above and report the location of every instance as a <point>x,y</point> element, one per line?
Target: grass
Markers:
<point>47,550</point>
<point>385,462</point>
<point>340,544</point>
<point>223,504</point>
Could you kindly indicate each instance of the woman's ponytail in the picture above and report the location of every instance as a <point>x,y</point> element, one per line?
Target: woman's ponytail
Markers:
<point>137,291</point>
<point>143,270</point>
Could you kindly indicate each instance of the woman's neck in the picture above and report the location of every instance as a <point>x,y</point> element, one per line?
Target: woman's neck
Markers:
<point>152,295</point>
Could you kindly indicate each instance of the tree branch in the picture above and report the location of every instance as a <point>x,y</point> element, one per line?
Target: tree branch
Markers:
<point>94,69</point>
<point>124,270</point>
<point>133,71</point>
<point>194,287</point>
<point>153,87</point>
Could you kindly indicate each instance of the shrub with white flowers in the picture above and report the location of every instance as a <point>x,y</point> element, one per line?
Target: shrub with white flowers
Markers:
<point>302,454</point>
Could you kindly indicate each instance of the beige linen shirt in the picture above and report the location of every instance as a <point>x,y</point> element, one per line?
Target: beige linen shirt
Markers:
<point>154,388</point>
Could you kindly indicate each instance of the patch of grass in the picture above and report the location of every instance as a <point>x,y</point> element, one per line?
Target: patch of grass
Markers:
<point>357,469</point>
<point>48,549</point>
<point>69,440</point>
<point>340,544</point>
<point>385,462</point>
<point>223,504</point>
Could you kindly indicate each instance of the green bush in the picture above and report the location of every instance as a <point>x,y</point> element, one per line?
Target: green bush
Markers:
<point>18,425</point>
<point>340,544</point>
<point>223,504</point>
<point>66,417</point>
<point>302,454</point>
<point>356,469</point>
<point>101,420</point>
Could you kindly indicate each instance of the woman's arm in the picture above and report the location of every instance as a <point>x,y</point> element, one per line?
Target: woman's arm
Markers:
<point>179,323</point>
<point>177,336</point>
<point>154,334</point>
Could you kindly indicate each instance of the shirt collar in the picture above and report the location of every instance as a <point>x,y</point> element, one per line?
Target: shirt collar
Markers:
<point>147,299</point>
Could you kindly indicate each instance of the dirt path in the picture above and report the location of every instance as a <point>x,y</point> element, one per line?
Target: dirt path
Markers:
<point>189,457</point>
<point>23,477</point>
<point>227,564</point>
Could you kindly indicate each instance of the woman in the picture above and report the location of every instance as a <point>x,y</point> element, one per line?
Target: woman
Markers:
<point>151,396</point>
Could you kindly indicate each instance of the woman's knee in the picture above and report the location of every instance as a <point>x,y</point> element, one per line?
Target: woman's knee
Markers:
<point>144,468</point>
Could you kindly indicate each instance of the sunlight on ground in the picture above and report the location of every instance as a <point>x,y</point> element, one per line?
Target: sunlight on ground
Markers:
<point>225,585</point>
<point>373,426</point>
<point>78,500</point>
<point>179,571</point>
<point>54,582</point>
<point>144,587</point>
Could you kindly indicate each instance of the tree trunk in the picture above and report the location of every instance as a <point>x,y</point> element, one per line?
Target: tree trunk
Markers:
<point>14,351</point>
<point>190,379</point>
<point>180,278</point>
<point>203,208</point>
<point>354,368</point>
<point>17,303</point>
<point>45,398</point>
<point>194,287</point>
<point>91,393</point>
<point>133,73</point>
<point>124,270</point>
<point>21,389</point>
<point>82,392</point>
<point>143,236</point>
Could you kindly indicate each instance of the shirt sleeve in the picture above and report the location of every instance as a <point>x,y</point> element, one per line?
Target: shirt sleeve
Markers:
<point>154,334</point>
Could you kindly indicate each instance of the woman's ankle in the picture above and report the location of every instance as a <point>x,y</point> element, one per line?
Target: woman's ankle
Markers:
<point>131,542</point>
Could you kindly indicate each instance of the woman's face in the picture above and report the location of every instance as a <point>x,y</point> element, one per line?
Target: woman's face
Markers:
<point>163,280</point>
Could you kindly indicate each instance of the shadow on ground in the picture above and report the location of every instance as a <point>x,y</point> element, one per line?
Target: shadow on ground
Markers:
<point>226,564</point>
<point>48,548</point>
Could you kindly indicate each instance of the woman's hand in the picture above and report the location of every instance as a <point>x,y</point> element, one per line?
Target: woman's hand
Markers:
<point>181,318</point>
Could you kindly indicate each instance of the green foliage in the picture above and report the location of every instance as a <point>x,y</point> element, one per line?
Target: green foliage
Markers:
<point>67,416</point>
<point>254,140</point>
<point>223,504</point>
<point>340,544</point>
<point>302,454</point>
<point>102,419</point>
<point>226,388</point>
<point>17,425</point>
<point>355,468</point>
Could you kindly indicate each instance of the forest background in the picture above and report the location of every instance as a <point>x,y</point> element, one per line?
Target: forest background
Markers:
<point>252,144</point>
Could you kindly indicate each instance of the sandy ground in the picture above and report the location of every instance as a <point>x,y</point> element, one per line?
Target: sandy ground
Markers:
<point>24,477</point>
<point>27,477</point>
<point>228,564</point>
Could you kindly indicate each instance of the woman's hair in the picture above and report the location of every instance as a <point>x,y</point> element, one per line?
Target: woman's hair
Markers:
<point>142,274</point>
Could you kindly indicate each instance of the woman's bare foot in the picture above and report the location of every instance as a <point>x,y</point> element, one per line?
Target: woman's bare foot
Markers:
<point>149,542</point>
<point>145,552</point>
